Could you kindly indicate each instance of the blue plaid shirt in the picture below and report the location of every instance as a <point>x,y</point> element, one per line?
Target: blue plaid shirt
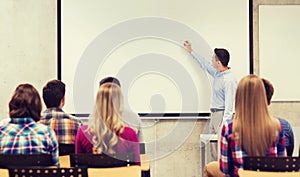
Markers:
<point>25,136</point>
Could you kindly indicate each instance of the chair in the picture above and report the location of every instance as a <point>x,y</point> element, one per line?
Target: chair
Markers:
<point>249,173</point>
<point>46,172</point>
<point>142,148</point>
<point>101,160</point>
<point>25,160</point>
<point>275,164</point>
<point>66,149</point>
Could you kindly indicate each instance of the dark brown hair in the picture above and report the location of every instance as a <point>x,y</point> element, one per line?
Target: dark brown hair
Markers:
<point>53,92</point>
<point>223,56</point>
<point>25,102</point>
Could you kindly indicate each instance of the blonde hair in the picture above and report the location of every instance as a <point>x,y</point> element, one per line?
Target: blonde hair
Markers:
<point>253,127</point>
<point>105,122</point>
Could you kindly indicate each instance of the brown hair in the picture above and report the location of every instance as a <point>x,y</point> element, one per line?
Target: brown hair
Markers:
<point>25,102</point>
<point>269,90</point>
<point>222,55</point>
<point>53,92</point>
<point>252,118</point>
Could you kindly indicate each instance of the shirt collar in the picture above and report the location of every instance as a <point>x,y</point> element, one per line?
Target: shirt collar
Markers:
<point>23,120</point>
<point>224,72</point>
<point>55,109</point>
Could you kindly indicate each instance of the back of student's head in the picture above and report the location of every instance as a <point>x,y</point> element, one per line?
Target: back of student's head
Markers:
<point>106,123</point>
<point>25,102</point>
<point>252,118</point>
<point>110,80</point>
<point>53,92</point>
<point>269,89</point>
<point>222,55</point>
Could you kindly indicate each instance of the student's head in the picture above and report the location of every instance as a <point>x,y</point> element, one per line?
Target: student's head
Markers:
<point>109,80</point>
<point>252,118</point>
<point>269,90</point>
<point>105,122</point>
<point>221,57</point>
<point>25,102</point>
<point>53,93</point>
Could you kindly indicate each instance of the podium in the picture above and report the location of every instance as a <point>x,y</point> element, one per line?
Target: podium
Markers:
<point>206,141</point>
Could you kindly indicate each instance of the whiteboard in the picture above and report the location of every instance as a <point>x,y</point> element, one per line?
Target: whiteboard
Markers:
<point>140,42</point>
<point>279,36</point>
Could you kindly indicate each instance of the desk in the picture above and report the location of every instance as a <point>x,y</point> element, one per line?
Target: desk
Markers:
<point>145,163</point>
<point>133,170</point>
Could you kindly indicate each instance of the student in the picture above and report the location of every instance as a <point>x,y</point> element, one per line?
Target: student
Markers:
<point>105,132</point>
<point>129,118</point>
<point>252,132</point>
<point>22,134</point>
<point>287,128</point>
<point>64,125</point>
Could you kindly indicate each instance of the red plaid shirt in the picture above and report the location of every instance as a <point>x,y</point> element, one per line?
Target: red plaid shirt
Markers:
<point>231,159</point>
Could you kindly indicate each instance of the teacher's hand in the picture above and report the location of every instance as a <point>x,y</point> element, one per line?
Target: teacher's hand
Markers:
<point>188,46</point>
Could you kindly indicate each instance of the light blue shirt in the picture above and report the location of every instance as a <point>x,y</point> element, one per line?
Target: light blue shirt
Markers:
<point>223,87</point>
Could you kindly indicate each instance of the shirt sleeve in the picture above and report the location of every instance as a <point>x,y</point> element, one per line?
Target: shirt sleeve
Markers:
<point>224,159</point>
<point>290,136</point>
<point>132,138</point>
<point>78,147</point>
<point>204,64</point>
<point>230,90</point>
<point>281,146</point>
<point>53,147</point>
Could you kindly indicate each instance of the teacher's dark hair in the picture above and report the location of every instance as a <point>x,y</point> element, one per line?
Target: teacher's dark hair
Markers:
<point>25,102</point>
<point>223,56</point>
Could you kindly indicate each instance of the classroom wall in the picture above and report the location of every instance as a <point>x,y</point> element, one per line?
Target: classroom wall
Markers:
<point>28,48</point>
<point>27,45</point>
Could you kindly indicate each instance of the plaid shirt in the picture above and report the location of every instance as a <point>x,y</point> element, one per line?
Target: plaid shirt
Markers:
<point>232,154</point>
<point>25,136</point>
<point>64,125</point>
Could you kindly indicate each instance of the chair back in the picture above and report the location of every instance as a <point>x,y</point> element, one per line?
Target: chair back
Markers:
<point>142,148</point>
<point>66,149</point>
<point>275,164</point>
<point>101,160</point>
<point>46,172</point>
<point>25,160</point>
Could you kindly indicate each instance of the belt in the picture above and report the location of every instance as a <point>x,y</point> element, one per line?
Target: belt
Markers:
<point>215,110</point>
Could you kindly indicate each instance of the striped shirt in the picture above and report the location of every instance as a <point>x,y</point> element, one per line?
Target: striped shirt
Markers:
<point>232,154</point>
<point>64,125</point>
<point>25,136</point>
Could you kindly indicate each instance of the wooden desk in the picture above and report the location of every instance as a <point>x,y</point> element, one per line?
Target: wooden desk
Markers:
<point>145,163</point>
<point>134,171</point>
<point>4,173</point>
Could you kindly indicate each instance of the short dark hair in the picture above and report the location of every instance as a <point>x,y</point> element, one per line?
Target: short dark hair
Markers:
<point>109,80</point>
<point>223,56</point>
<point>269,89</point>
<point>53,92</point>
<point>25,102</point>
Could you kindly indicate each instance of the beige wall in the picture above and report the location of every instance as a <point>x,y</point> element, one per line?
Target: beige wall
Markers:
<point>28,54</point>
<point>27,45</point>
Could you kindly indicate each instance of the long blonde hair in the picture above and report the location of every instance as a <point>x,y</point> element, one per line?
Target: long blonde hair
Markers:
<point>253,127</point>
<point>105,122</point>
